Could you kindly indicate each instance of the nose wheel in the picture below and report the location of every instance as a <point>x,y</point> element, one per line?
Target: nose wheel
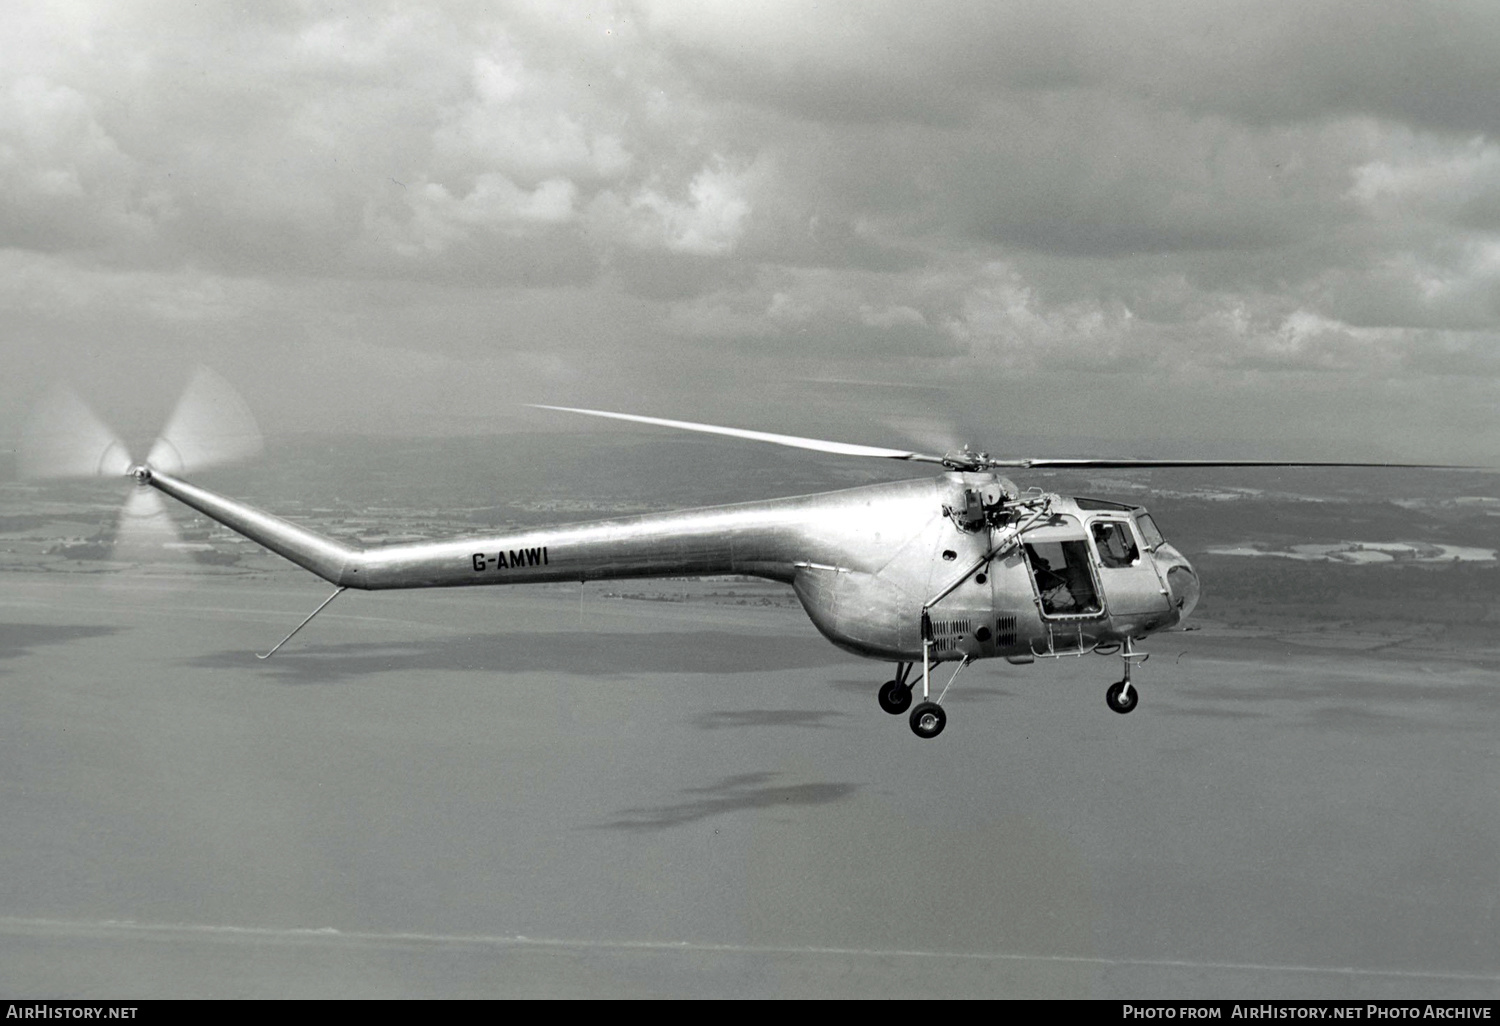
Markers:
<point>1122,696</point>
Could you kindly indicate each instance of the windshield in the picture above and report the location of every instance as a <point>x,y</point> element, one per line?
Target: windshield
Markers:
<point>1148,530</point>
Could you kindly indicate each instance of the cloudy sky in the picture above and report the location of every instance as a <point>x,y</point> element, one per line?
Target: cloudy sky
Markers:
<point>1222,229</point>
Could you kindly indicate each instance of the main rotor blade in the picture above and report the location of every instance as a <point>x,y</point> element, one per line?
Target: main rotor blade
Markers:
<point>64,438</point>
<point>1085,464</point>
<point>211,425</point>
<point>966,460</point>
<point>815,444</point>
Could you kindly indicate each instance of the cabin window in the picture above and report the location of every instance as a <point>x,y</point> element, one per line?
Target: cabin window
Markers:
<point>1115,543</point>
<point>1061,571</point>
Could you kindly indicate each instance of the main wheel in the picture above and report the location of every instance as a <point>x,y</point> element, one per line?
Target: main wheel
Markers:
<point>894,697</point>
<point>928,719</point>
<point>1120,700</point>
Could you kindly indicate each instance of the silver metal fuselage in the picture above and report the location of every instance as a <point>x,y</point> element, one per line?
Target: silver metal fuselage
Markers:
<point>864,562</point>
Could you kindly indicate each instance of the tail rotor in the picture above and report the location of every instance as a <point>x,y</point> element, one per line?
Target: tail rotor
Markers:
<point>211,426</point>
<point>65,440</point>
<point>144,531</point>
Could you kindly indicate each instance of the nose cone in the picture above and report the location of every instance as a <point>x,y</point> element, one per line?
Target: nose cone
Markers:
<point>1182,582</point>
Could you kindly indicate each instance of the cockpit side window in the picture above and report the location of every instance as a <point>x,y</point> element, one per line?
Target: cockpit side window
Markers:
<point>1115,543</point>
<point>1148,530</point>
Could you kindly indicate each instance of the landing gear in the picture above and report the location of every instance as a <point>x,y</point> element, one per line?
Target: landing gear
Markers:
<point>928,719</point>
<point>895,697</point>
<point>1122,695</point>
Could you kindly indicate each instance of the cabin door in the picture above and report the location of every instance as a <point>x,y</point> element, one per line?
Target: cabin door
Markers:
<point>1127,573</point>
<point>1061,570</point>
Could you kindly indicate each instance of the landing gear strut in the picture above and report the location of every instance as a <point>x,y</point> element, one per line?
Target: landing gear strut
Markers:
<point>928,718</point>
<point>1123,696</point>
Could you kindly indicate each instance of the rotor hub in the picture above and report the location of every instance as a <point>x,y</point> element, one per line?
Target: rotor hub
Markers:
<point>966,459</point>
<point>141,473</point>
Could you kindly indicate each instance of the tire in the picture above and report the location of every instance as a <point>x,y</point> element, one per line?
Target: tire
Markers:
<point>1119,701</point>
<point>928,720</point>
<point>894,698</point>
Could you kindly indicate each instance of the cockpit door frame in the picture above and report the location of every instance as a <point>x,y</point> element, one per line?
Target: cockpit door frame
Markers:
<point>1133,590</point>
<point>1063,528</point>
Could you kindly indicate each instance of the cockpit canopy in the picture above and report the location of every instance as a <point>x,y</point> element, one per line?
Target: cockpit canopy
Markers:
<point>1147,527</point>
<point>1087,547</point>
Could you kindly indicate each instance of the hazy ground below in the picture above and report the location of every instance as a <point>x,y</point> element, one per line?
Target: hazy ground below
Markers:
<point>678,788</point>
<point>552,792</point>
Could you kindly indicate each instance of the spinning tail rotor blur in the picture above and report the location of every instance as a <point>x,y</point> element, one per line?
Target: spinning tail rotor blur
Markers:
<point>65,440</point>
<point>211,426</point>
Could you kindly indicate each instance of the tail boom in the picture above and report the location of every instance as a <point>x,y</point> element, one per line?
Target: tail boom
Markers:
<point>760,539</point>
<point>769,539</point>
<point>335,563</point>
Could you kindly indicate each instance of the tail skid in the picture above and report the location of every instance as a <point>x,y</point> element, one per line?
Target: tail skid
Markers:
<point>277,647</point>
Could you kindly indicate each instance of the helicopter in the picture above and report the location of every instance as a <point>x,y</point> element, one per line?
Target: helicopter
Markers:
<point>944,570</point>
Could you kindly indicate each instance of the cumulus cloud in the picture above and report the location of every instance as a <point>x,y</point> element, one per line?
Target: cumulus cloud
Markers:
<point>1455,181</point>
<point>437,219</point>
<point>514,122</point>
<point>1004,317</point>
<point>821,312</point>
<point>64,181</point>
<point>708,221</point>
<point>956,191</point>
